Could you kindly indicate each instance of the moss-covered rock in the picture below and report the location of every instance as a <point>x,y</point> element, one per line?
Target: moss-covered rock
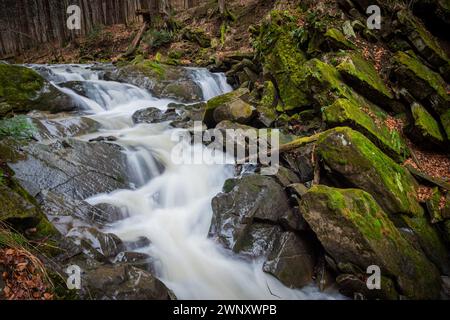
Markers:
<point>362,76</point>
<point>22,90</point>
<point>337,40</point>
<point>445,120</point>
<point>423,83</point>
<point>422,40</point>
<point>164,81</point>
<point>357,161</point>
<point>428,239</point>
<point>354,229</point>
<point>230,106</point>
<point>370,120</point>
<point>425,128</point>
<point>439,206</point>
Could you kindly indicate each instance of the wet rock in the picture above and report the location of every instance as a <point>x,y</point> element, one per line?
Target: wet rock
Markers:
<point>301,162</point>
<point>119,282</point>
<point>251,199</point>
<point>231,106</point>
<point>106,244</point>
<point>354,229</point>
<point>355,286</point>
<point>291,261</point>
<point>71,167</point>
<point>357,161</point>
<point>163,81</point>
<point>136,259</point>
<point>23,90</point>
<point>59,128</point>
<point>424,127</point>
<point>370,121</point>
<point>154,115</point>
<point>67,213</point>
<point>256,240</point>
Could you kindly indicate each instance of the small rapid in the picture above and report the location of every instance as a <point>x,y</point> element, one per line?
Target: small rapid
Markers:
<point>170,204</point>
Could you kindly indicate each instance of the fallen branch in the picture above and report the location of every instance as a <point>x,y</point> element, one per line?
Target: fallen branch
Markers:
<point>137,40</point>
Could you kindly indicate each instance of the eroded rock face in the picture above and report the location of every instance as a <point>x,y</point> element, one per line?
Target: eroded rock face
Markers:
<point>71,167</point>
<point>354,229</point>
<point>22,90</point>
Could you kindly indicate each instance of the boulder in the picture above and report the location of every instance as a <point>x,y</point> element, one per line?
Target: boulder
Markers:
<point>425,128</point>
<point>354,229</point>
<point>291,260</point>
<point>22,90</point>
<point>161,80</point>
<point>362,76</point>
<point>74,168</point>
<point>358,162</point>
<point>369,120</point>
<point>119,282</point>
<point>245,201</point>
<point>230,106</point>
<point>424,84</point>
<point>423,41</point>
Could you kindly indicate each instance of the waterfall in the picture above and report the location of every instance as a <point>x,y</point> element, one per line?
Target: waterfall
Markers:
<point>171,204</point>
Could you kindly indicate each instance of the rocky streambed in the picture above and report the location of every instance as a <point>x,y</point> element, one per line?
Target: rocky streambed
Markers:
<point>88,172</point>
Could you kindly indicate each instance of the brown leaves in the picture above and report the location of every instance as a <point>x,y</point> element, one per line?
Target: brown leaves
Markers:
<point>424,193</point>
<point>23,279</point>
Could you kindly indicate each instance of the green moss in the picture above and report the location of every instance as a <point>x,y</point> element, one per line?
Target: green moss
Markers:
<point>362,164</point>
<point>363,74</point>
<point>431,78</point>
<point>19,86</point>
<point>445,119</point>
<point>18,127</point>
<point>214,103</point>
<point>344,112</point>
<point>416,29</point>
<point>338,38</point>
<point>425,125</point>
<point>429,240</point>
<point>355,230</point>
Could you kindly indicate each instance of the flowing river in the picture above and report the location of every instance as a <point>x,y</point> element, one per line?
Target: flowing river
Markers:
<point>171,204</point>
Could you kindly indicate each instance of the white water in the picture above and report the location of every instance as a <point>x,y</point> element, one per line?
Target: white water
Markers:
<point>172,207</point>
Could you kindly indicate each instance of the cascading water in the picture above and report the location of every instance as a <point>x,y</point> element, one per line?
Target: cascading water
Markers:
<point>171,204</point>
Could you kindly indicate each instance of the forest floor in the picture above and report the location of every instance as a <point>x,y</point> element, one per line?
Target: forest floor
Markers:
<point>107,43</point>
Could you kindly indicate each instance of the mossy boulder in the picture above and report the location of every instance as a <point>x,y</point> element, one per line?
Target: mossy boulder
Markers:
<point>355,230</point>
<point>356,161</point>
<point>424,84</point>
<point>445,120</point>
<point>230,106</point>
<point>362,75</point>
<point>163,81</point>
<point>369,120</point>
<point>21,210</point>
<point>424,127</point>
<point>23,89</point>
<point>427,238</point>
<point>197,36</point>
<point>337,40</point>
<point>422,40</point>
